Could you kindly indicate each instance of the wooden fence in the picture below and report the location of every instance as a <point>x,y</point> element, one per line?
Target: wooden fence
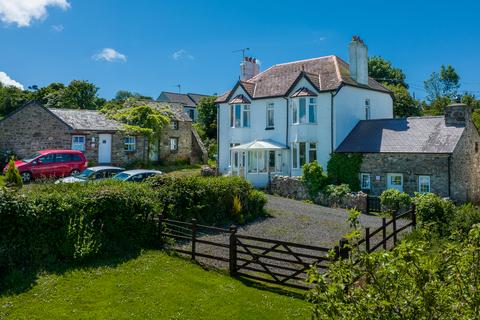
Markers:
<point>270,260</point>
<point>373,204</point>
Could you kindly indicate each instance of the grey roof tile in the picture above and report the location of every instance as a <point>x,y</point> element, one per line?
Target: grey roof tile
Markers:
<point>410,135</point>
<point>86,119</point>
<point>325,73</point>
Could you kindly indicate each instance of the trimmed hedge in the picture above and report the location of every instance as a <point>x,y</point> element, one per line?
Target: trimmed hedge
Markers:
<point>68,223</point>
<point>210,200</point>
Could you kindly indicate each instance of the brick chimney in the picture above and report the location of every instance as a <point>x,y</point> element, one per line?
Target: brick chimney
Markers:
<point>458,114</point>
<point>249,68</point>
<point>358,54</point>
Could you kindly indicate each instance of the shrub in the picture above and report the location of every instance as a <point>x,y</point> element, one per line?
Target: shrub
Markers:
<point>314,178</point>
<point>345,168</point>
<point>337,192</point>
<point>431,209</point>
<point>464,218</point>
<point>210,200</point>
<point>12,176</point>
<point>394,200</point>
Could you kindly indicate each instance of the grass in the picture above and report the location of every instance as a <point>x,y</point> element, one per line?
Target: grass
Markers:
<point>151,286</point>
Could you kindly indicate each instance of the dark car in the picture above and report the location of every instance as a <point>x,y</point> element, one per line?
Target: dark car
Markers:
<point>138,175</point>
<point>51,164</point>
<point>92,174</point>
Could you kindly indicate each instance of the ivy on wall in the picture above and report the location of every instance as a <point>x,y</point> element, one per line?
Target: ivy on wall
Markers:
<point>345,168</point>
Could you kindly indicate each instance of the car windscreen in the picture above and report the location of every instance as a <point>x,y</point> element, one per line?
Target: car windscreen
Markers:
<point>121,176</point>
<point>85,174</point>
<point>31,158</point>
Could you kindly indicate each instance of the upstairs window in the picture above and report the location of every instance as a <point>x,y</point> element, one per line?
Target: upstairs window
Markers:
<point>174,125</point>
<point>367,109</point>
<point>270,116</point>
<point>304,110</point>
<point>239,116</point>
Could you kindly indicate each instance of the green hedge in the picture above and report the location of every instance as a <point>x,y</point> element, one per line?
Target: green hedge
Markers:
<point>208,199</point>
<point>68,223</point>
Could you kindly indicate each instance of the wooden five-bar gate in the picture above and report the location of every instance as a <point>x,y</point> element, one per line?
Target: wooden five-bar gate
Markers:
<point>270,260</point>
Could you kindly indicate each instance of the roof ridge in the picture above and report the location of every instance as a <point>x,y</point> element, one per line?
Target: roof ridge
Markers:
<point>72,109</point>
<point>304,60</point>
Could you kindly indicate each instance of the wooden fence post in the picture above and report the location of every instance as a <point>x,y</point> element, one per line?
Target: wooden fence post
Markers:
<point>194,237</point>
<point>233,251</point>
<point>394,225</point>
<point>414,216</point>
<point>344,250</point>
<point>367,239</point>
<point>384,233</point>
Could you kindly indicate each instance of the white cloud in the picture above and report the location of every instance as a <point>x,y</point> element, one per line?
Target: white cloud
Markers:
<point>110,55</point>
<point>182,54</point>
<point>9,82</point>
<point>22,12</point>
<point>57,27</point>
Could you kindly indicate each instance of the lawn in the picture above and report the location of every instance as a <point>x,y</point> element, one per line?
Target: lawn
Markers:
<point>151,286</point>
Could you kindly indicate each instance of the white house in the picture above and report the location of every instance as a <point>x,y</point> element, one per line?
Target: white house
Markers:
<point>273,122</point>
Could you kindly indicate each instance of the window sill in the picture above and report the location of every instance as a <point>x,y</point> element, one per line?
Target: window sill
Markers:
<point>239,127</point>
<point>305,124</point>
<point>270,128</point>
<point>130,151</point>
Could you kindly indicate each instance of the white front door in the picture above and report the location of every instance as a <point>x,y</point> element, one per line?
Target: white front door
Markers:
<point>395,181</point>
<point>104,148</point>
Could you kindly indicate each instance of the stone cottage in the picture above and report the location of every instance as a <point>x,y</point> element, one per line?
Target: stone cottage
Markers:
<point>188,101</point>
<point>438,154</point>
<point>103,140</point>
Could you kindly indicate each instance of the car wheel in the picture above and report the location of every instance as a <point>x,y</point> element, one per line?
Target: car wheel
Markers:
<point>74,172</point>
<point>26,177</point>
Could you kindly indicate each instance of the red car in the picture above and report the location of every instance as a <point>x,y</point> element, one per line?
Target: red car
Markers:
<point>51,163</point>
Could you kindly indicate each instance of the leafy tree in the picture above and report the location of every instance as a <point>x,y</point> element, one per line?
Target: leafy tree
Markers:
<point>383,71</point>
<point>80,95</point>
<point>207,116</point>
<point>11,98</point>
<point>143,119</point>
<point>314,178</point>
<point>443,84</point>
<point>437,106</point>
<point>403,103</point>
<point>12,176</point>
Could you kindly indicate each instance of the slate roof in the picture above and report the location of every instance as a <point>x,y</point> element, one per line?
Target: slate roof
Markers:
<point>410,135</point>
<point>86,119</point>
<point>325,73</point>
<point>187,99</point>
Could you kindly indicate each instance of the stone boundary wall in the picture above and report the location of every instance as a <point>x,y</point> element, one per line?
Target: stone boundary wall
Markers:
<point>294,188</point>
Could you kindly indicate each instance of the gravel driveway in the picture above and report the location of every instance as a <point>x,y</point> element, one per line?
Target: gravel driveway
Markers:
<point>292,221</point>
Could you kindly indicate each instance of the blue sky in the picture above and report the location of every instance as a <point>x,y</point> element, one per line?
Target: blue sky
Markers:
<point>159,44</point>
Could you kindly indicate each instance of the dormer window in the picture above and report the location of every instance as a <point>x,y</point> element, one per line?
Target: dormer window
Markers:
<point>240,116</point>
<point>304,110</point>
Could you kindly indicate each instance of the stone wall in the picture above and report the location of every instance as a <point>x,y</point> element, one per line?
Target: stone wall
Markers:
<point>465,167</point>
<point>294,188</point>
<point>411,166</point>
<point>183,133</point>
<point>353,200</point>
<point>33,128</point>
<point>289,187</point>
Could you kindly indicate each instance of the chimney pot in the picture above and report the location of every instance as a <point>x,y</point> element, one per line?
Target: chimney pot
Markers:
<point>249,68</point>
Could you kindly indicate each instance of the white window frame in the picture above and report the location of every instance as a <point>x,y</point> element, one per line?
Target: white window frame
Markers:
<point>389,175</point>
<point>365,181</point>
<point>270,109</point>
<point>130,143</point>
<point>259,161</point>
<point>310,107</point>
<point>243,116</point>
<point>296,153</point>
<point>80,146</point>
<point>368,114</point>
<point>426,182</point>
<point>234,153</point>
<point>173,144</point>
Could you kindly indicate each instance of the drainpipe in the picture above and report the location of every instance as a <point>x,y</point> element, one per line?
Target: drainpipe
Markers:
<point>449,175</point>
<point>286,136</point>
<point>332,110</point>
<point>217,160</point>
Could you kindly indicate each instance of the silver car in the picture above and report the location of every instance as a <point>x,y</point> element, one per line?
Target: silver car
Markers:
<point>91,174</point>
<point>138,175</point>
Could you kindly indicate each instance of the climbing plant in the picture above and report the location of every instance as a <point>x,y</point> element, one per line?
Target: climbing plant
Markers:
<point>345,168</point>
